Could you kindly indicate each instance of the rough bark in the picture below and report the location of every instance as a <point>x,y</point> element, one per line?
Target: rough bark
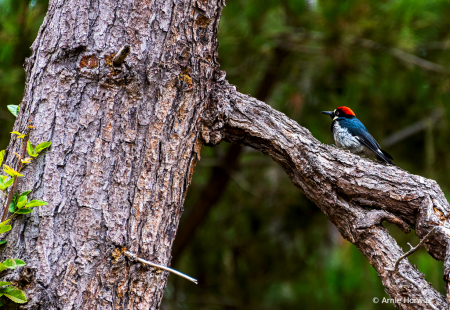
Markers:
<point>356,194</point>
<point>125,141</point>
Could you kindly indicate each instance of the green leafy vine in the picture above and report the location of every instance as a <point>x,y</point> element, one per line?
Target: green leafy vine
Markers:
<point>16,204</point>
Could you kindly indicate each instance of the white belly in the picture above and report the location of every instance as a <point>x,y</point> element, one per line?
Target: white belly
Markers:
<point>344,140</point>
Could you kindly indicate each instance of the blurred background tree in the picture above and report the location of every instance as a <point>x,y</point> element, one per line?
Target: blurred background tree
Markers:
<point>251,238</point>
<point>19,23</point>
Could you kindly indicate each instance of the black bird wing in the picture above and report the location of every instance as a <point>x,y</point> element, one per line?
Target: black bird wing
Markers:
<point>368,141</point>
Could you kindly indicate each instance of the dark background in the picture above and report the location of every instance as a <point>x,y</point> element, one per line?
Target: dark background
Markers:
<point>252,238</point>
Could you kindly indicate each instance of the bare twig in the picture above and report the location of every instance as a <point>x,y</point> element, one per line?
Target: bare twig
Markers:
<point>404,56</point>
<point>412,129</point>
<point>413,249</point>
<point>133,256</point>
<point>445,45</point>
<point>121,55</point>
<point>296,44</point>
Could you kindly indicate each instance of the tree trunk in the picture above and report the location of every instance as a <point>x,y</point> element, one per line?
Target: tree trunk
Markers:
<point>125,141</point>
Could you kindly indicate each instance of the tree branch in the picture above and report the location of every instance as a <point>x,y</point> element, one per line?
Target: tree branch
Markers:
<point>342,185</point>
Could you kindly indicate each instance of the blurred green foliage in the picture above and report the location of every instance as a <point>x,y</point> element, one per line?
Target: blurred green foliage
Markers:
<point>264,245</point>
<point>19,23</point>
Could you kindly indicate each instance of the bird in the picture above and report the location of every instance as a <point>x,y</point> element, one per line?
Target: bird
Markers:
<point>351,135</point>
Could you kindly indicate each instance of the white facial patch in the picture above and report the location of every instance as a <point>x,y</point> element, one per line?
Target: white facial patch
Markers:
<point>335,116</point>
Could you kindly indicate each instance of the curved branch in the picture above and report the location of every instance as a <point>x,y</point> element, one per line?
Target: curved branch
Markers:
<point>345,187</point>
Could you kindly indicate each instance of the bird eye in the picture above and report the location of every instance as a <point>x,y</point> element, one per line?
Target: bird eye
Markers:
<point>337,113</point>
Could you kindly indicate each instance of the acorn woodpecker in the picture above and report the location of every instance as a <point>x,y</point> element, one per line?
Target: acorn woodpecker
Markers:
<point>350,134</point>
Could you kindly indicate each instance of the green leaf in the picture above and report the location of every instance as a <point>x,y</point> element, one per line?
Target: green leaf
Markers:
<point>14,109</point>
<point>4,223</point>
<point>16,295</point>
<point>9,182</point>
<point>5,228</point>
<point>12,207</point>
<point>4,185</point>
<point>4,283</point>
<point>2,156</point>
<point>25,193</point>
<point>19,262</point>
<point>3,241</point>
<point>30,149</point>
<point>24,211</point>
<point>22,201</point>
<point>10,263</point>
<point>2,267</point>
<point>42,146</point>
<point>36,203</point>
<point>7,170</point>
<point>11,171</point>
<point>6,289</point>
<point>19,135</point>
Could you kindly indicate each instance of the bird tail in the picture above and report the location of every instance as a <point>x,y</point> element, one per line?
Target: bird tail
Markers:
<point>386,154</point>
<point>386,157</point>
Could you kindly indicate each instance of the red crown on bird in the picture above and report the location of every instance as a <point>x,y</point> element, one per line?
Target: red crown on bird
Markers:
<point>346,110</point>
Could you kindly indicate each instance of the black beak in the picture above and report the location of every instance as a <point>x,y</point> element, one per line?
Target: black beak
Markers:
<point>331,114</point>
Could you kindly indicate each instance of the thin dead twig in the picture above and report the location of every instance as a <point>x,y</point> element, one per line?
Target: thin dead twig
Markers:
<point>133,256</point>
<point>412,250</point>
